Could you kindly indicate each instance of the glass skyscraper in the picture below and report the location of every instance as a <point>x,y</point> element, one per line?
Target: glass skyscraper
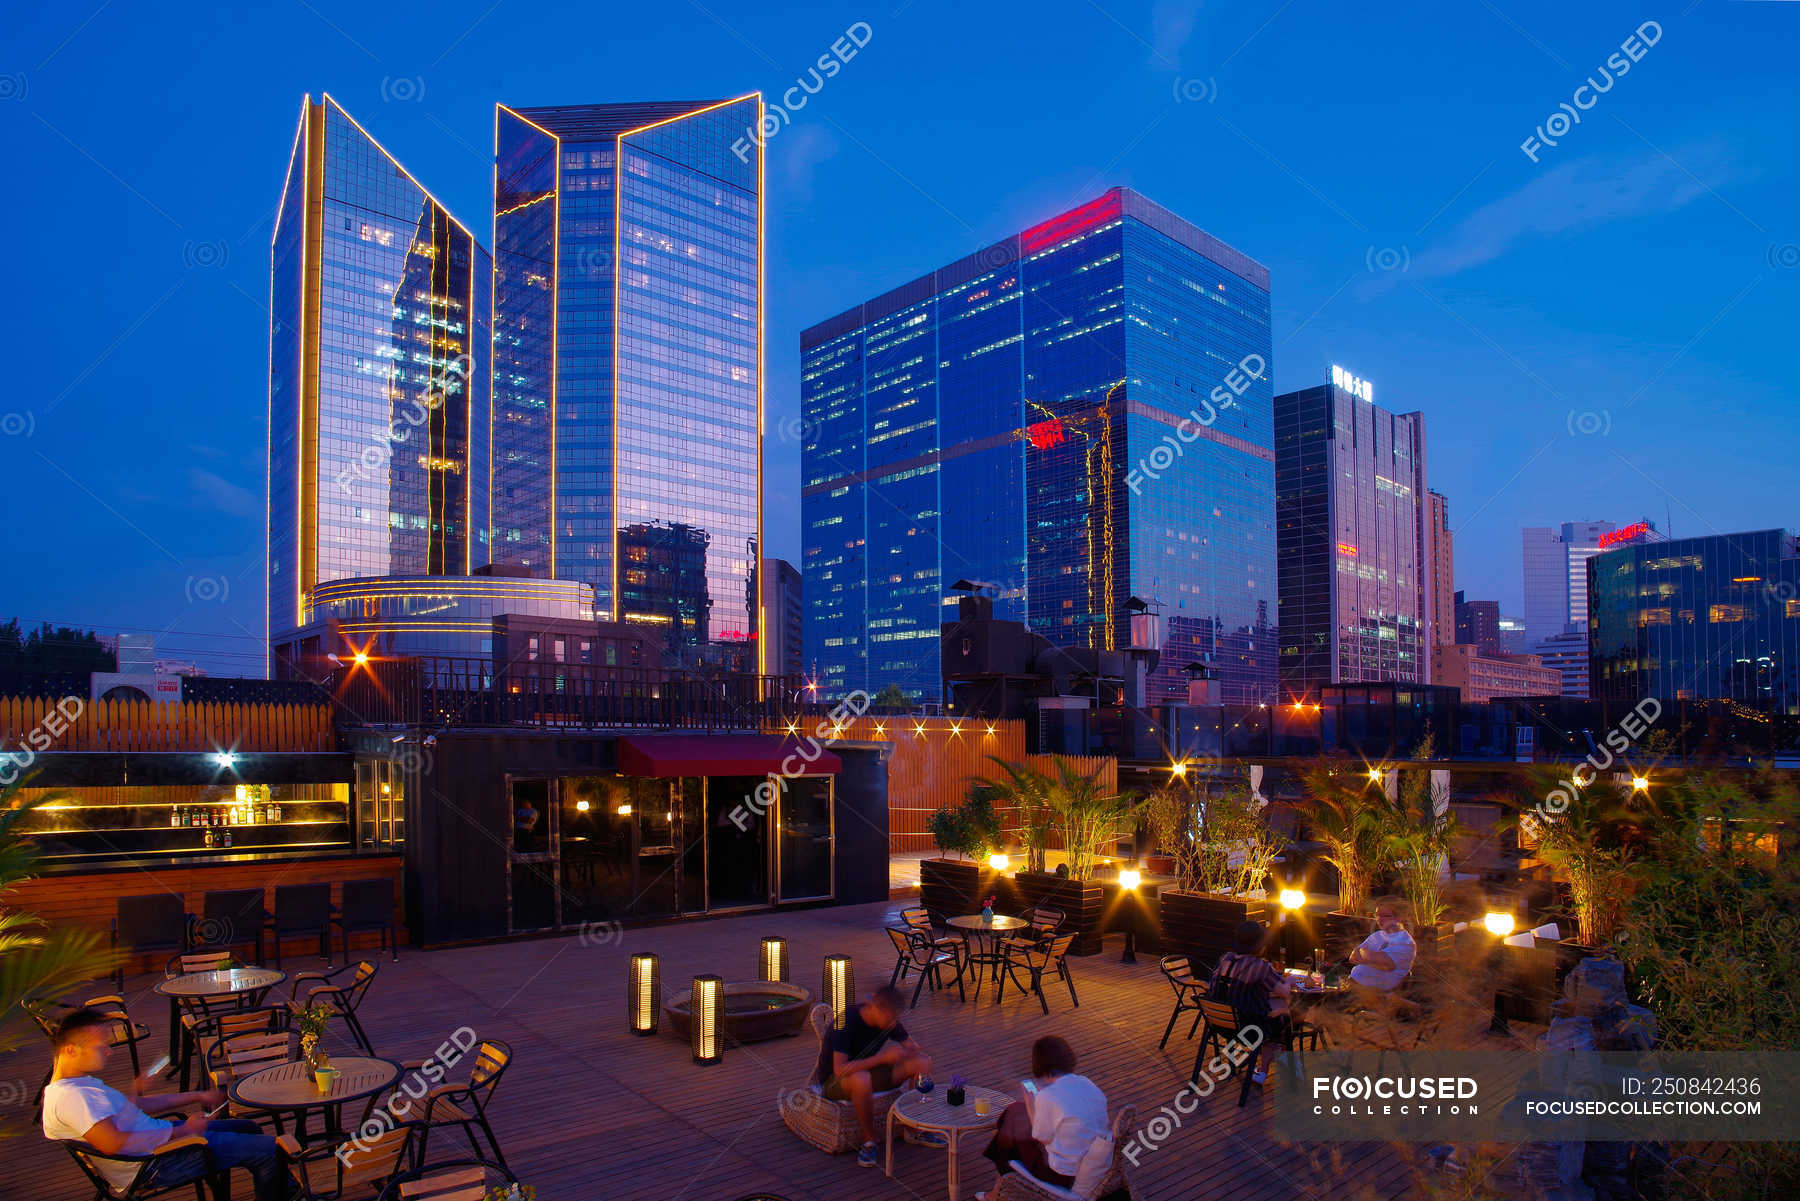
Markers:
<point>1713,618</point>
<point>627,416</point>
<point>1354,540</point>
<point>378,345</point>
<point>1073,417</point>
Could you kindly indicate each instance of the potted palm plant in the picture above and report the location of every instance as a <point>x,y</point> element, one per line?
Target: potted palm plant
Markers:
<point>1351,815</point>
<point>1418,845</point>
<point>1222,848</point>
<point>1027,791</point>
<point>1089,817</point>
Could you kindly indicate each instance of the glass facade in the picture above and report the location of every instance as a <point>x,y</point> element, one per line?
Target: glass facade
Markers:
<point>1714,618</point>
<point>628,394</point>
<point>1350,501</point>
<point>993,422</point>
<point>434,615</point>
<point>378,372</point>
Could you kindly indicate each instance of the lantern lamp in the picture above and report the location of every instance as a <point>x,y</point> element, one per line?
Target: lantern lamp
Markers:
<point>839,988</point>
<point>773,960</point>
<point>706,1010</point>
<point>642,993</point>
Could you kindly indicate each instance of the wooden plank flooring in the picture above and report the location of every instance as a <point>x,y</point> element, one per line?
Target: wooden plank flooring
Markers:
<point>588,1111</point>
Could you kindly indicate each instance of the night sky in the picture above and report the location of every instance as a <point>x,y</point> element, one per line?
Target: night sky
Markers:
<point>1603,333</point>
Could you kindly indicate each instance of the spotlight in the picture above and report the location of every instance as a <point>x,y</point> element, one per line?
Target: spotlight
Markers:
<point>1292,899</point>
<point>1498,924</point>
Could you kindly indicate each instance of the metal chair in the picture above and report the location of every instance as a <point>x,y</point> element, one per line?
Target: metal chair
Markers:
<point>357,1167</point>
<point>343,989</point>
<point>450,1180</point>
<point>243,1044</point>
<point>186,1013</point>
<point>1223,1024</point>
<point>157,921</point>
<point>466,1105</point>
<point>1189,988</point>
<point>919,954</point>
<point>919,918</point>
<point>302,909</point>
<point>1037,960</point>
<point>368,905</point>
<point>212,1178</point>
<point>121,1030</point>
<point>230,917</point>
<point>1043,923</point>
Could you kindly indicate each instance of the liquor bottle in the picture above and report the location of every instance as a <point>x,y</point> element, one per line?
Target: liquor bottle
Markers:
<point>227,837</point>
<point>277,809</point>
<point>174,817</point>
<point>209,840</point>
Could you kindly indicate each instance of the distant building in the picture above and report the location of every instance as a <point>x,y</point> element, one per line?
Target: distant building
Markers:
<point>1568,653</point>
<point>1555,570</point>
<point>1485,677</point>
<point>1512,635</point>
<point>1713,618</point>
<point>1478,624</point>
<point>1442,557</point>
<point>784,616</point>
<point>1352,540</point>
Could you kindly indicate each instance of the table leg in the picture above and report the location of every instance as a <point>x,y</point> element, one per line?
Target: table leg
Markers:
<point>955,1181</point>
<point>890,1143</point>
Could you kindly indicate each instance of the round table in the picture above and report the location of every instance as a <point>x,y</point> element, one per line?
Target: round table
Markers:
<point>197,989</point>
<point>930,1112</point>
<point>290,1088</point>
<point>989,929</point>
<point>1305,996</point>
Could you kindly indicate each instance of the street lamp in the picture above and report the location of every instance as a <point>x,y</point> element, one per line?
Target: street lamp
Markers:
<point>1129,879</point>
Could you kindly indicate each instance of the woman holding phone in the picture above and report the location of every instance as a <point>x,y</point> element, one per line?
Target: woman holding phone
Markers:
<point>1057,1117</point>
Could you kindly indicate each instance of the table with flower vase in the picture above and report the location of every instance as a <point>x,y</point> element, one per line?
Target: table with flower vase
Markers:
<point>932,1113</point>
<point>292,1088</point>
<point>988,928</point>
<point>201,992</point>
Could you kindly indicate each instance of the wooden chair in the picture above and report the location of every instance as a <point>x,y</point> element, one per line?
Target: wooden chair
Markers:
<point>155,922</point>
<point>358,1167</point>
<point>228,918</point>
<point>1038,960</point>
<point>466,1105</point>
<point>1020,1185</point>
<point>919,918</point>
<point>185,1013</point>
<point>368,905</point>
<point>212,1177</point>
<point>1223,1024</point>
<point>919,954</point>
<point>828,1124</point>
<point>245,1051</point>
<point>121,1030</point>
<point>302,909</point>
<point>1189,988</point>
<point>450,1180</point>
<point>1043,923</point>
<point>343,989</point>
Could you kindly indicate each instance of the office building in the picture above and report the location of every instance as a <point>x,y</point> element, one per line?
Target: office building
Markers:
<point>1485,677</point>
<point>628,383</point>
<point>378,345</point>
<point>1512,635</point>
<point>1442,557</point>
<point>1555,571</point>
<point>1478,624</point>
<point>784,618</point>
<point>1712,618</point>
<point>1075,423</point>
<point>1567,652</point>
<point>1352,540</point>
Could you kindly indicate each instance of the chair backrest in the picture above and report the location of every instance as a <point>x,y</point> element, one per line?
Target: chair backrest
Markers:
<point>1220,1015</point>
<point>199,961</point>
<point>348,994</point>
<point>450,1180</point>
<point>302,906</point>
<point>901,937</point>
<point>213,1025</point>
<point>1044,919</point>
<point>490,1064</point>
<point>820,1020</point>
<point>155,921</point>
<point>367,902</point>
<point>1058,947</point>
<point>229,916</point>
<point>237,1055</point>
<point>916,916</point>
<point>42,1013</point>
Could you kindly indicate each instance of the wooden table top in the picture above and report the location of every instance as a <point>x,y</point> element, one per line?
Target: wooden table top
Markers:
<point>221,984</point>
<point>930,1111</point>
<point>290,1086</point>
<point>999,923</point>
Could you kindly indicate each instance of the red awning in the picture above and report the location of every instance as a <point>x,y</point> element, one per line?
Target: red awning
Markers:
<point>669,755</point>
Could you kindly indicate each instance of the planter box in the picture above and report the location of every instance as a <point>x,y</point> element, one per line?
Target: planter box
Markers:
<point>1202,925</point>
<point>1083,905</point>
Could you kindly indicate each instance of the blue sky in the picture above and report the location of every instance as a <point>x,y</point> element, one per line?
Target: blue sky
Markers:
<point>1595,334</point>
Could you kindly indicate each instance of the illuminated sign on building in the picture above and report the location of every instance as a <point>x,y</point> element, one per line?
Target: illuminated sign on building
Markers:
<point>1045,434</point>
<point>1636,529</point>
<point>1355,385</point>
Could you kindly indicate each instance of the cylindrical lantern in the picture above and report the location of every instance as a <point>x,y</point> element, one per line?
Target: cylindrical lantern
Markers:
<point>839,990</point>
<point>706,1010</point>
<point>773,960</point>
<point>643,993</point>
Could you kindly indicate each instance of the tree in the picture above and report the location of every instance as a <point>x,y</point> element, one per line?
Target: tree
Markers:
<point>1350,816</point>
<point>52,648</point>
<point>1089,815</point>
<point>891,696</point>
<point>1027,790</point>
<point>1420,839</point>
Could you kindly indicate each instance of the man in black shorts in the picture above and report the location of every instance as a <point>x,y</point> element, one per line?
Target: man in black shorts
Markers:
<point>872,1054</point>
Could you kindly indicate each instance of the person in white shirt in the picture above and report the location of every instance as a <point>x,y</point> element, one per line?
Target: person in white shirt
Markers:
<point>1386,956</point>
<point>1057,1118</point>
<point>79,1105</point>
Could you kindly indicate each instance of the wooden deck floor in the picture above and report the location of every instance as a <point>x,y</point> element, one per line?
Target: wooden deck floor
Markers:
<point>589,1112</point>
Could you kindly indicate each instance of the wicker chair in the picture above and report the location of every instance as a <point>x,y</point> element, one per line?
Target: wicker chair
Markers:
<point>827,1124</point>
<point>1020,1185</point>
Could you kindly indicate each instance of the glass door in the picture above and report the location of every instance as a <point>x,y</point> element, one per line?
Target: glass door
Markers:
<point>803,813</point>
<point>532,867</point>
<point>737,844</point>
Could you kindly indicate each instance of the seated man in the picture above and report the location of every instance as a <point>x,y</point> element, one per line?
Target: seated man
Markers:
<point>77,1105</point>
<point>1386,956</point>
<point>872,1054</point>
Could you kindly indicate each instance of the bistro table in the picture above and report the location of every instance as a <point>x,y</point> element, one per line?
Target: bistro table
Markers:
<point>201,992</point>
<point>932,1113</point>
<point>1305,996</point>
<point>290,1088</point>
<point>988,930</point>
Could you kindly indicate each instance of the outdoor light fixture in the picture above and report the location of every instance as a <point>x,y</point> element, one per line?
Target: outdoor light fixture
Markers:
<point>361,657</point>
<point>641,992</point>
<point>1178,768</point>
<point>1498,924</point>
<point>706,1009</point>
<point>998,861</point>
<point>1374,775</point>
<point>624,810</point>
<point>1293,899</point>
<point>1640,783</point>
<point>1130,878</point>
<point>990,728</point>
<point>773,961</point>
<point>839,988</point>
<point>224,758</point>
<point>581,806</point>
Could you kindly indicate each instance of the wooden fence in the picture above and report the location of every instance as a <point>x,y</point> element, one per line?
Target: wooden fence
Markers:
<point>73,724</point>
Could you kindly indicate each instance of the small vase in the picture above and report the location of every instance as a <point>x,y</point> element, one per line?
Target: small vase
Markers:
<point>987,913</point>
<point>954,1095</point>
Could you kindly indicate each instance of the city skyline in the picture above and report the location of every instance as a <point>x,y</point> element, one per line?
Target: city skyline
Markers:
<point>1573,409</point>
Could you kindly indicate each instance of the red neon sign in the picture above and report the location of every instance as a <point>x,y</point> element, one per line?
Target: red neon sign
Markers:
<point>1344,548</point>
<point>1636,529</point>
<point>1075,221</point>
<point>1045,434</point>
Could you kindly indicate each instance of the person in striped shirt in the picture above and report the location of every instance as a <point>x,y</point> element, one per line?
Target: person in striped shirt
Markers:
<point>1256,989</point>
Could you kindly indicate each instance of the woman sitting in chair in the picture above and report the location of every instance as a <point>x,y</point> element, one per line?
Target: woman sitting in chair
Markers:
<point>1057,1117</point>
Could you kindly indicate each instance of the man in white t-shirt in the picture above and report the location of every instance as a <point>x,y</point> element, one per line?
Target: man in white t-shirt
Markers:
<point>1386,956</point>
<point>79,1105</point>
<point>1059,1115</point>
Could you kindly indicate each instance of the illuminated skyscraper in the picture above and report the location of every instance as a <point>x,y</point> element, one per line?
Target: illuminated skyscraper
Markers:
<point>627,417</point>
<point>378,345</point>
<point>1077,419</point>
